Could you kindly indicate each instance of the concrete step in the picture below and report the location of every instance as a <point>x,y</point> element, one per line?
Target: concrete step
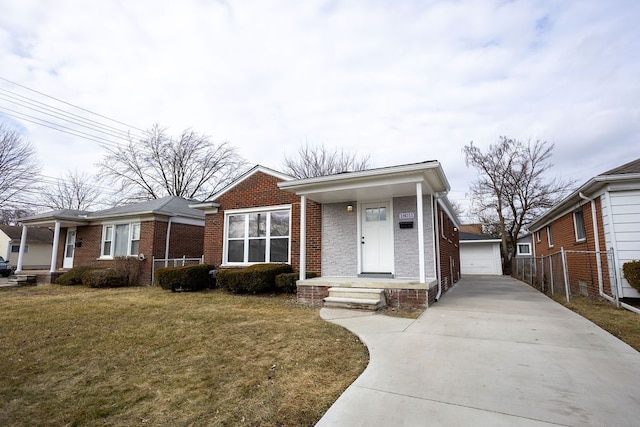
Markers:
<point>362,298</point>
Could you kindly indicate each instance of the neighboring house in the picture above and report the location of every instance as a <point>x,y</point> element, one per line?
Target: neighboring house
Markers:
<point>603,214</point>
<point>37,249</point>
<point>524,246</point>
<point>161,228</point>
<point>389,228</point>
<point>480,255</point>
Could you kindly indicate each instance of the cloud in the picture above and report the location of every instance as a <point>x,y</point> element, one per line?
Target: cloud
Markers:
<point>403,81</point>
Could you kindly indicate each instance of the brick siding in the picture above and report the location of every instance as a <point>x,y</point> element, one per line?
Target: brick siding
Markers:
<point>449,250</point>
<point>581,267</point>
<point>257,191</point>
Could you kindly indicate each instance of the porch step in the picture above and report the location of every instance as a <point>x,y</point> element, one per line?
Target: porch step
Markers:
<point>362,298</point>
<point>23,280</point>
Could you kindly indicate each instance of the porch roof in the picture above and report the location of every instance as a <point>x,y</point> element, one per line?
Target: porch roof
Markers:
<point>371,184</point>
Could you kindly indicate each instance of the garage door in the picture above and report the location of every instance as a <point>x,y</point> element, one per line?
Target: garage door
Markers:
<point>480,258</point>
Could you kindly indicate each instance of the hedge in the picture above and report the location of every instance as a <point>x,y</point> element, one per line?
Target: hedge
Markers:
<point>631,272</point>
<point>73,277</point>
<point>105,278</point>
<point>187,278</point>
<point>286,282</point>
<point>256,279</point>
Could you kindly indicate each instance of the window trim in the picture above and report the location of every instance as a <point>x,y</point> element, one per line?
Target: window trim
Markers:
<point>549,236</point>
<point>538,236</point>
<point>523,244</point>
<point>575,226</point>
<point>246,238</point>
<point>113,226</point>
<point>26,249</point>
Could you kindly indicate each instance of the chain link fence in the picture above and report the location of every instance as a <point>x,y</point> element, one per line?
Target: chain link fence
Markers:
<point>568,273</point>
<point>158,263</point>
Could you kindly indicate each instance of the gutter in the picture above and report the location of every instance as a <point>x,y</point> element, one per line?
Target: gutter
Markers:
<point>166,246</point>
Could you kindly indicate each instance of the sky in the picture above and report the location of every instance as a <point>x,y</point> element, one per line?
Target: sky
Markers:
<point>401,81</point>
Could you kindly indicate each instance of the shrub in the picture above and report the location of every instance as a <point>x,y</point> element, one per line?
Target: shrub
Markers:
<point>73,277</point>
<point>631,272</point>
<point>256,279</point>
<point>128,268</point>
<point>286,282</point>
<point>105,278</point>
<point>187,278</point>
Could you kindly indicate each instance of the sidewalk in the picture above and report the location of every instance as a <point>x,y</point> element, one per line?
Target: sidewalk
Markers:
<point>491,352</point>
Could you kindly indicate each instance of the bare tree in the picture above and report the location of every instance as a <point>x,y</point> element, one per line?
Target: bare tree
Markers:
<point>318,160</point>
<point>190,166</point>
<point>12,216</point>
<point>513,187</point>
<point>18,165</point>
<point>72,190</point>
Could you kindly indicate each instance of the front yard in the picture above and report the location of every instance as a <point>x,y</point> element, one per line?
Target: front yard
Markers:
<point>144,356</point>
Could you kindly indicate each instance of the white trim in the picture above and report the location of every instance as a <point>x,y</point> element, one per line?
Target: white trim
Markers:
<point>246,211</point>
<point>524,244</point>
<point>390,217</point>
<point>249,173</point>
<point>303,238</point>
<point>575,226</point>
<point>549,236</point>
<point>54,251</point>
<point>419,208</point>
<point>113,225</point>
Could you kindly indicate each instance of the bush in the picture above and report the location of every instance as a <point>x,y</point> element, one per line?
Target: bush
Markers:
<point>286,282</point>
<point>73,277</point>
<point>128,268</point>
<point>187,278</point>
<point>631,272</point>
<point>256,279</point>
<point>105,278</point>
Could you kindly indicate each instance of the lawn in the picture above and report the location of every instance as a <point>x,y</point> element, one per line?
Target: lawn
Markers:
<point>619,322</point>
<point>144,356</point>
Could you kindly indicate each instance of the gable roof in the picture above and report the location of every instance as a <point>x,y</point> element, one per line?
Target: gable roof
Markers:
<point>34,234</point>
<point>244,176</point>
<point>628,173</point>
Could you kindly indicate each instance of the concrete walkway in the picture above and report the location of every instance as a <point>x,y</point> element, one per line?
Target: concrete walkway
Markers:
<point>492,352</point>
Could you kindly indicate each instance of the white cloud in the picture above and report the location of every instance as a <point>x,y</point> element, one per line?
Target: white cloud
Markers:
<point>404,81</point>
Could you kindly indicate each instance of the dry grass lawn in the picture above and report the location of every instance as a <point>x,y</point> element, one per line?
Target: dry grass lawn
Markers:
<point>619,322</point>
<point>144,356</point>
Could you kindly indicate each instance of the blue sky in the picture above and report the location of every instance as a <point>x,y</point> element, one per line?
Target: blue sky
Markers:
<point>403,81</point>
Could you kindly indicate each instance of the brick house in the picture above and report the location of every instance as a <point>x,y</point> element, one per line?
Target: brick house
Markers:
<point>602,215</point>
<point>161,228</point>
<point>392,229</point>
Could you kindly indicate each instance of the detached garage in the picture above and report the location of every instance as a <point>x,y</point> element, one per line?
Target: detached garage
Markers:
<point>479,255</point>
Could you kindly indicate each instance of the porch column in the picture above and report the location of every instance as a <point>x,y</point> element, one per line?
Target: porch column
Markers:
<point>54,251</point>
<point>303,237</point>
<point>23,244</point>
<point>420,231</point>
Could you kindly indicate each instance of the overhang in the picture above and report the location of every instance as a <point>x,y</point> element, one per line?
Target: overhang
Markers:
<point>372,184</point>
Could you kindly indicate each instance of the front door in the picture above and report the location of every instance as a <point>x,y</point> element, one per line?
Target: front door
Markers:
<point>377,238</point>
<point>69,248</point>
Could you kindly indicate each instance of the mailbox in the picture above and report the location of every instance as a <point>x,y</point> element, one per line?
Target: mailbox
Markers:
<point>406,224</point>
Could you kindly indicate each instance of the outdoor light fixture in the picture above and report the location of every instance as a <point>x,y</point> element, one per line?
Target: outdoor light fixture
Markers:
<point>349,207</point>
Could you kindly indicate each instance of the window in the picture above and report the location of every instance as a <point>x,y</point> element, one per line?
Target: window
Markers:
<point>442,225</point>
<point>263,236</point>
<point>16,249</point>
<point>120,240</point>
<point>538,236</point>
<point>524,248</point>
<point>549,236</point>
<point>578,223</point>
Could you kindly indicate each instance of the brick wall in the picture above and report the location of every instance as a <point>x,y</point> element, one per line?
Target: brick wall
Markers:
<point>261,190</point>
<point>185,240</point>
<point>582,267</point>
<point>449,250</point>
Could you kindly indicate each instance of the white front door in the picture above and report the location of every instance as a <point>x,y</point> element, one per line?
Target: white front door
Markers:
<point>69,248</point>
<point>377,238</point>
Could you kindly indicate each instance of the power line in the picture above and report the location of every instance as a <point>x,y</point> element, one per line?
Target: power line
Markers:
<point>70,104</point>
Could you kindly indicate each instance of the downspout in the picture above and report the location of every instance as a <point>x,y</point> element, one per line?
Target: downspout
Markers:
<point>166,245</point>
<point>599,262</point>
<point>436,240</point>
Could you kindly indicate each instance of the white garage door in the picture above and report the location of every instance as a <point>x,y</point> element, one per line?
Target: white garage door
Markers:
<point>480,258</point>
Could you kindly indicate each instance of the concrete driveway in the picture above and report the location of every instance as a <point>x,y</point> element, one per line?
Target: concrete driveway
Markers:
<point>491,352</point>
